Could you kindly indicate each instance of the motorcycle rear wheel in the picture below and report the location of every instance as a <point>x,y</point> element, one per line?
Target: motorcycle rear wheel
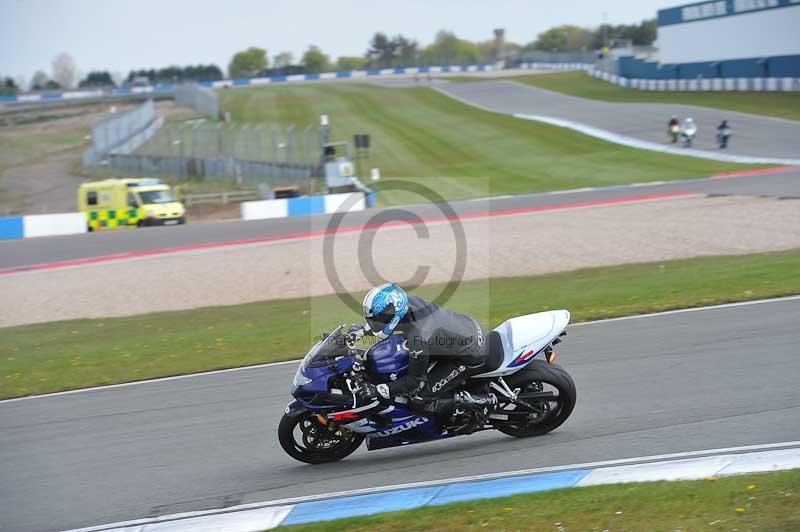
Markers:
<point>557,411</point>
<point>317,443</point>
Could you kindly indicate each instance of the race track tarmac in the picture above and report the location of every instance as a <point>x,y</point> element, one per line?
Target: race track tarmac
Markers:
<point>712,378</point>
<point>24,252</point>
<point>755,136</point>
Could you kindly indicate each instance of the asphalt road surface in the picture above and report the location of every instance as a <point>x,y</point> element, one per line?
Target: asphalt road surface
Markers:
<point>677,382</point>
<point>16,253</point>
<point>756,136</point>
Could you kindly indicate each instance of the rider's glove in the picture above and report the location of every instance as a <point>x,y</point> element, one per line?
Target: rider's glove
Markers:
<point>356,333</point>
<point>369,391</point>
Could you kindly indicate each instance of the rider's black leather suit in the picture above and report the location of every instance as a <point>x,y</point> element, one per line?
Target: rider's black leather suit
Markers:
<point>452,342</point>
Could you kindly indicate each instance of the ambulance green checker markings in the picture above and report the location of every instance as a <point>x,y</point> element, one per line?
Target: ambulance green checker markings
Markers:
<point>111,218</point>
<point>116,203</point>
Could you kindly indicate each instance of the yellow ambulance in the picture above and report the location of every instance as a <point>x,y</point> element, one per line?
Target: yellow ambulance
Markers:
<point>134,202</point>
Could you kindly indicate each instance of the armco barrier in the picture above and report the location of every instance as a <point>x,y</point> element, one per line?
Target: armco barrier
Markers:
<point>169,88</point>
<point>69,223</point>
<point>705,84</point>
<point>166,90</point>
<point>303,206</point>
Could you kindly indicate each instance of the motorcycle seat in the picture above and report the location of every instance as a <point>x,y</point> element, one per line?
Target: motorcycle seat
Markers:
<point>494,353</point>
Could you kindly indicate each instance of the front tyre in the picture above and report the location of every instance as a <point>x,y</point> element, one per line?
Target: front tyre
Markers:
<point>305,439</point>
<point>548,397</point>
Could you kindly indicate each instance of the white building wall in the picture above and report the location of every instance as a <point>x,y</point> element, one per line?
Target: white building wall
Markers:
<point>763,33</point>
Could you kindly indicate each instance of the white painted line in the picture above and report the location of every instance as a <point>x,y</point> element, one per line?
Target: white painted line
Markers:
<point>259,366</point>
<point>688,469</point>
<point>632,142</point>
<point>624,140</point>
<point>218,520</point>
<point>772,461</point>
<point>692,309</point>
<point>675,466</point>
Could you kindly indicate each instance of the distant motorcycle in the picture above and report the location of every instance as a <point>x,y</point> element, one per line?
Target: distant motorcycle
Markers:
<point>326,422</point>
<point>688,132</point>
<point>723,134</point>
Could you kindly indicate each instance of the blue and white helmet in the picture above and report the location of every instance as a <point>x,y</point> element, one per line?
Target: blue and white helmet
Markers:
<point>384,307</point>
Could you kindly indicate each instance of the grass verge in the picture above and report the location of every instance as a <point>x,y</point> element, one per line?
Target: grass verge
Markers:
<point>81,353</point>
<point>776,104</point>
<point>27,149</point>
<point>766,501</point>
<point>441,142</point>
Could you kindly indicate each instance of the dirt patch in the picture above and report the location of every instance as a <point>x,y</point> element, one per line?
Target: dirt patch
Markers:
<point>525,244</point>
<point>40,159</point>
<point>231,211</point>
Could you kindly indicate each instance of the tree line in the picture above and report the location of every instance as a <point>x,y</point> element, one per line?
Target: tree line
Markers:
<point>383,51</point>
<point>447,48</point>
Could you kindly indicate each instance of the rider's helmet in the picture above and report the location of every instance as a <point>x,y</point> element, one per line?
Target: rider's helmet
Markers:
<point>384,306</point>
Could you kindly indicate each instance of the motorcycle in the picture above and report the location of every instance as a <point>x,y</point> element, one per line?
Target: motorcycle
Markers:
<point>722,137</point>
<point>688,133</point>
<point>674,132</point>
<point>326,422</point>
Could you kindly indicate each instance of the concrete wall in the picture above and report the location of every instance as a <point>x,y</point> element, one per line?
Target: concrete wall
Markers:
<point>303,206</point>
<point>42,225</point>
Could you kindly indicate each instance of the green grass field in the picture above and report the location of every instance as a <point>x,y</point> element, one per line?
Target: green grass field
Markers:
<point>22,150</point>
<point>77,354</point>
<point>766,501</point>
<point>777,104</point>
<point>420,134</point>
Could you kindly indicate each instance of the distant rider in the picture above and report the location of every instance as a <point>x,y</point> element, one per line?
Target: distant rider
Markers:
<point>673,128</point>
<point>723,133</point>
<point>452,342</point>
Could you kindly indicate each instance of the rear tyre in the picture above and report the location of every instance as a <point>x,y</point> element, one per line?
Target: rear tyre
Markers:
<point>546,415</point>
<point>305,439</point>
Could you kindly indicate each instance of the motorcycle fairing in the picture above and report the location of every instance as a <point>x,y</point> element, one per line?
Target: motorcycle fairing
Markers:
<point>524,337</point>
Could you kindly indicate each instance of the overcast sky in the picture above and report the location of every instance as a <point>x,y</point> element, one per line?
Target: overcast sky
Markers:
<point>120,35</point>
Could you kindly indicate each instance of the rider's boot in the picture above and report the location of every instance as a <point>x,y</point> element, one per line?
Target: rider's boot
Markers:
<point>480,405</point>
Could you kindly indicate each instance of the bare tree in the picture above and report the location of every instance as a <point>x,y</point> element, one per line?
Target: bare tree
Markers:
<point>64,70</point>
<point>118,78</point>
<point>22,82</point>
<point>282,59</point>
<point>39,80</point>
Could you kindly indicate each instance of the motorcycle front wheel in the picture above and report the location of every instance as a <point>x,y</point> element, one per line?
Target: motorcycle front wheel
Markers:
<point>305,439</point>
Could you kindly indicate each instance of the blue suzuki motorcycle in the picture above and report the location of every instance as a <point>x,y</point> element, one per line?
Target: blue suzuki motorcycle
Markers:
<point>326,422</point>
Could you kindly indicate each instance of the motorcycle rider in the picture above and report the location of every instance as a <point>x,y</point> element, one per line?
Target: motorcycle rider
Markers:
<point>445,349</point>
<point>723,133</point>
<point>673,127</point>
